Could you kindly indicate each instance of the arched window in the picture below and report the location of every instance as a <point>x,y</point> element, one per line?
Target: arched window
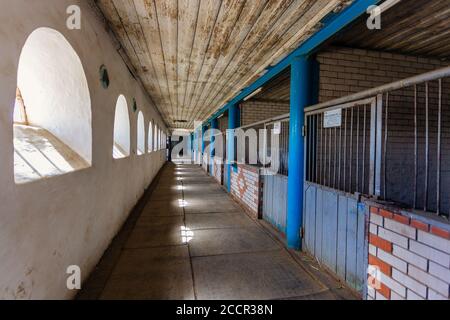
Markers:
<point>150,137</point>
<point>52,114</point>
<point>155,137</point>
<point>140,134</point>
<point>121,148</point>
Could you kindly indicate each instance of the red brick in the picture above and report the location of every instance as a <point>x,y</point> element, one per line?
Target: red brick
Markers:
<point>440,232</point>
<point>385,291</point>
<point>401,219</point>
<point>380,243</point>
<point>384,267</point>
<point>386,214</point>
<point>420,225</point>
<point>374,210</point>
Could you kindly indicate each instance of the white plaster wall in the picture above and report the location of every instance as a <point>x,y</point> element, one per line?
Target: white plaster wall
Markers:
<point>150,137</point>
<point>47,225</point>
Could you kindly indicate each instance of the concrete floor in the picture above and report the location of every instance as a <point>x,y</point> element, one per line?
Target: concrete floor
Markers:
<point>187,239</point>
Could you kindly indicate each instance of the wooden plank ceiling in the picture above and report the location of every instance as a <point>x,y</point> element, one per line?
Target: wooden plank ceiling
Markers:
<point>195,55</point>
<point>414,27</point>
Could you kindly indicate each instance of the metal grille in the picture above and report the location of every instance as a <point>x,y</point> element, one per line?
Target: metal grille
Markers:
<point>393,144</point>
<point>416,152</point>
<point>270,158</point>
<point>339,156</point>
<point>283,158</point>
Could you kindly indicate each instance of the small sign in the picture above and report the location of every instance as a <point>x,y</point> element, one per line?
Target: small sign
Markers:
<point>332,119</point>
<point>277,128</point>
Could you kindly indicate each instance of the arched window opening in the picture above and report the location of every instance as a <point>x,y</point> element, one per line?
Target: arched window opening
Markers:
<point>155,137</point>
<point>150,137</point>
<point>52,112</point>
<point>141,134</point>
<point>121,147</point>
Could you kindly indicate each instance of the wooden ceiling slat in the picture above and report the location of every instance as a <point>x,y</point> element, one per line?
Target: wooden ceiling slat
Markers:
<point>209,12</point>
<point>412,27</point>
<point>192,55</point>
<point>256,63</point>
<point>188,13</point>
<point>251,11</point>
<point>146,13</point>
<point>228,17</point>
<point>272,13</point>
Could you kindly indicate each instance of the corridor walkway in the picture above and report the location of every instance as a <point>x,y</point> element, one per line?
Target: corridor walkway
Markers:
<point>189,240</point>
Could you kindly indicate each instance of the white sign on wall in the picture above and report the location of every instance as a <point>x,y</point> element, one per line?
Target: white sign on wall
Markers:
<point>332,118</point>
<point>277,128</point>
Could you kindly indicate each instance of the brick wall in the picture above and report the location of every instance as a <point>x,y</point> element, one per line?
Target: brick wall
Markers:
<point>412,254</point>
<point>252,111</point>
<point>344,71</point>
<point>245,187</point>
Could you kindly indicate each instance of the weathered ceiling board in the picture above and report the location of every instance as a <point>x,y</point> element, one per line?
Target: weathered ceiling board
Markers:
<point>415,27</point>
<point>195,55</point>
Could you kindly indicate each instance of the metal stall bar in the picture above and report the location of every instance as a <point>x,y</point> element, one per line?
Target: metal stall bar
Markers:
<point>438,174</point>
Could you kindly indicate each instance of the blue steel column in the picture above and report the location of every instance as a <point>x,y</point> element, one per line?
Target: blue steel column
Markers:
<point>204,128</point>
<point>301,85</point>
<point>233,123</point>
<point>214,125</point>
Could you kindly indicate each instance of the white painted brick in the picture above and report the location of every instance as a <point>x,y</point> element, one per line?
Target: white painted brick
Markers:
<point>379,296</point>
<point>400,228</point>
<point>410,283</point>
<point>430,253</point>
<point>395,296</point>
<point>433,295</point>
<point>392,260</point>
<point>376,219</point>
<point>370,292</point>
<point>393,237</point>
<point>434,241</point>
<point>373,229</point>
<point>440,272</point>
<point>392,284</point>
<point>411,295</point>
<point>431,281</point>
<point>410,257</point>
<point>372,250</point>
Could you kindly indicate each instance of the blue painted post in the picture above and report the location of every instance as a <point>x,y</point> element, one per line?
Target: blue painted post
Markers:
<point>214,125</point>
<point>204,128</point>
<point>301,84</point>
<point>197,145</point>
<point>191,144</point>
<point>233,123</point>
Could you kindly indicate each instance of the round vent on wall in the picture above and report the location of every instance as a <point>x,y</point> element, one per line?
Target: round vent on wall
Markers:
<point>104,77</point>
